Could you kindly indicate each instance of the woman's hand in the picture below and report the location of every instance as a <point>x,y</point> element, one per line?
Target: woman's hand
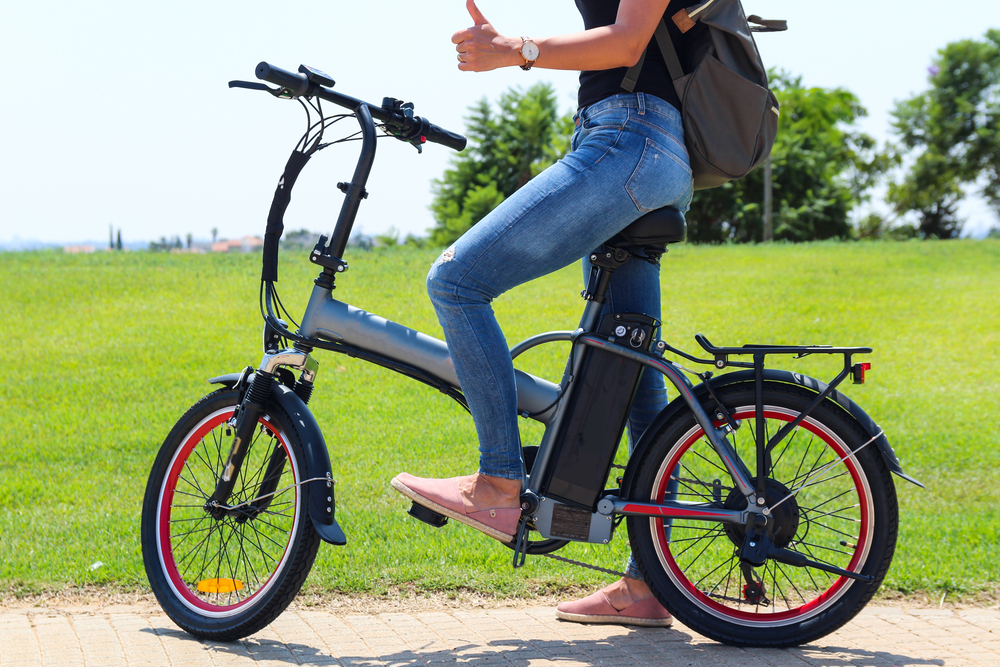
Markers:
<point>481,48</point>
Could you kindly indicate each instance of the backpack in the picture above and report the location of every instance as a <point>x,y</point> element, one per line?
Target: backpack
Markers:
<point>730,116</point>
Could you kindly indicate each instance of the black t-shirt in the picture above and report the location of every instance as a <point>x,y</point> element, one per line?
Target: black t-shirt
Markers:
<point>654,77</point>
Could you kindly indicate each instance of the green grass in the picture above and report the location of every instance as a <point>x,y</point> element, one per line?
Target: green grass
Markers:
<point>104,353</point>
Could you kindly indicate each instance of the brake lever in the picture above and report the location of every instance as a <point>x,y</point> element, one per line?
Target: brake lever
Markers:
<point>253,85</point>
<point>413,136</point>
<point>412,129</point>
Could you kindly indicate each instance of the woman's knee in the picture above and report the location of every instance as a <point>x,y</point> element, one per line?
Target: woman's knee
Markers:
<point>445,280</point>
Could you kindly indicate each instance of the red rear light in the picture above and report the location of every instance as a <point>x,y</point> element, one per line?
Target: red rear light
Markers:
<point>859,372</point>
<point>423,139</point>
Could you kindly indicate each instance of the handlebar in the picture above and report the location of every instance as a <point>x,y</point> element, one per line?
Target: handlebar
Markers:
<point>414,128</point>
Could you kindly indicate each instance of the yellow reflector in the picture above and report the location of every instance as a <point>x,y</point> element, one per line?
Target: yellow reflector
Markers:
<point>220,585</point>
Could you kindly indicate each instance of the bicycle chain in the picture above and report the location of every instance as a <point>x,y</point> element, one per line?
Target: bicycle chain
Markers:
<point>588,565</point>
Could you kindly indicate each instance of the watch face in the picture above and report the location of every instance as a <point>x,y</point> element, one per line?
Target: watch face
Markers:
<point>529,51</point>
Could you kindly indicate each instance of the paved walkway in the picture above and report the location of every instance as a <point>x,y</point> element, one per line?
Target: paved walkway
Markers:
<point>480,638</point>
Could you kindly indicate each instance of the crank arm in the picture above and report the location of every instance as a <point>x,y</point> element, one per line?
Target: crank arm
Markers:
<point>798,560</point>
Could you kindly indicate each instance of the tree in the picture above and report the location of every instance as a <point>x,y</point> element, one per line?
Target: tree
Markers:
<point>215,234</point>
<point>954,129</point>
<point>823,167</point>
<point>507,148</point>
<point>390,239</point>
<point>118,243</point>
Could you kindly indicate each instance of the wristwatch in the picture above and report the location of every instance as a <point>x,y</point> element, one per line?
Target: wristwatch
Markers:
<point>529,51</point>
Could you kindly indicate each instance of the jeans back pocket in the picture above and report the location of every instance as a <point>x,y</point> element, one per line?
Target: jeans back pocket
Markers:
<point>660,179</point>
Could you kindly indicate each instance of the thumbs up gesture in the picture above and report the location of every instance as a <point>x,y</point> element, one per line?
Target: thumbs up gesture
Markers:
<point>481,48</point>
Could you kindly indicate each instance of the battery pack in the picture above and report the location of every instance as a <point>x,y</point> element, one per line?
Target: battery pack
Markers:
<point>600,399</point>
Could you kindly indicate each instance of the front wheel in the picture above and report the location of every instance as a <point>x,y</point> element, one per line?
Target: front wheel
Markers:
<point>224,574</point>
<point>842,512</point>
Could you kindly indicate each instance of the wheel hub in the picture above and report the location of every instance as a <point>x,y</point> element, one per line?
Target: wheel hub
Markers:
<point>782,523</point>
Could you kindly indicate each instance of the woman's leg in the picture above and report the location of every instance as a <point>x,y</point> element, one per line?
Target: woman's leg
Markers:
<point>627,160</point>
<point>559,216</point>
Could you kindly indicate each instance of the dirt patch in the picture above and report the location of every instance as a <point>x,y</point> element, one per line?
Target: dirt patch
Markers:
<point>104,602</point>
<point>401,600</point>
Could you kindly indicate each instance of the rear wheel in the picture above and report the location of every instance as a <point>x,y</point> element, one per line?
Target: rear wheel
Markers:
<point>226,573</point>
<point>841,511</point>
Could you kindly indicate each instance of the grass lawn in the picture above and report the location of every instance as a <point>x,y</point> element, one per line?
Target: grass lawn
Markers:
<point>106,351</point>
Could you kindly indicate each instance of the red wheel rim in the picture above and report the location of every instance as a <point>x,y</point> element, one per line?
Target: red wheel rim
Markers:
<point>809,607</point>
<point>165,512</point>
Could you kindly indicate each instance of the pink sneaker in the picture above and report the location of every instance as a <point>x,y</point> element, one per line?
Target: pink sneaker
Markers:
<point>443,496</point>
<point>597,609</point>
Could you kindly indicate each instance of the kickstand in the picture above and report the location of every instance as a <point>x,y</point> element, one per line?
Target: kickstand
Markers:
<point>521,544</point>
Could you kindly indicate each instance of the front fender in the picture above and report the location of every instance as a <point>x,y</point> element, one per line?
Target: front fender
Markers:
<point>701,394</point>
<point>317,459</point>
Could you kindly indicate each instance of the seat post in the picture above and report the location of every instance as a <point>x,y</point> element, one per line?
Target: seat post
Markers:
<point>603,264</point>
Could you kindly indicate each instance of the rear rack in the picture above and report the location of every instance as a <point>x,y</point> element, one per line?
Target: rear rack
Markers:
<point>722,354</point>
<point>720,359</point>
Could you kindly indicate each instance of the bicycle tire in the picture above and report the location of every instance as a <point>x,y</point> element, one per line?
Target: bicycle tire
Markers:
<point>846,516</point>
<point>245,567</point>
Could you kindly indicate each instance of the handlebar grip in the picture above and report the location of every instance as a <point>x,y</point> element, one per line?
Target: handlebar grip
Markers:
<point>298,84</point>
<point>439,135</point>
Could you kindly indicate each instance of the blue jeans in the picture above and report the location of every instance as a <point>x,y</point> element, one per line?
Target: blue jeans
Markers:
<point>628,158</point>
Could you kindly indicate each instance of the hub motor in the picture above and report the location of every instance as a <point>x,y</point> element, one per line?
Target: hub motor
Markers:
<point>781,524</point>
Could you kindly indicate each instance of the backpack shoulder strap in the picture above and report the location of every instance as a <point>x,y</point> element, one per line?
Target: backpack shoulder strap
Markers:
<point>669,56</point>
<point>632,75</point>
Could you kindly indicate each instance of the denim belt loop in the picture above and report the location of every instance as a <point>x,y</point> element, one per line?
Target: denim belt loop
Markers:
<point>642,104</point>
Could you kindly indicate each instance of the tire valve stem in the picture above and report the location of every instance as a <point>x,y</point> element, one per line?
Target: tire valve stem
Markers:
<point>848,544</point>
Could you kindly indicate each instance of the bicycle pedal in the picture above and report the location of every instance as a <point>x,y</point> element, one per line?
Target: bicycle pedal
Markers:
<point>428,516</point>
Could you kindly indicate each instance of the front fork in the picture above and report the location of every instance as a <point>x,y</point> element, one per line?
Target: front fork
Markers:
<point>248,416</point>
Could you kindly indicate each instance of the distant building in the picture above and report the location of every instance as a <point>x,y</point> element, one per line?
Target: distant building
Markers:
<point>84,249</point>
<point>245,244</point>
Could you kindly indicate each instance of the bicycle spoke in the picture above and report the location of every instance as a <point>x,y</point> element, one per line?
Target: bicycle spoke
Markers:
<point>185,493</point>
<point>777,588</point>
<point>711,463</point>
<point>802,460</point>
<point>694,493</point>
<point>711,540</point>
<point>208,466</point>
<point>788,444</point>
<point>830,500</point>
<point>733,562</point>
<point>807,570</point>
<point>834,514</point>
<point>810,546</point>
<point>195,485</point>
<point>795,588</point>
<point>260,546</point>
<point>710,573</point>
<point>816,465</point>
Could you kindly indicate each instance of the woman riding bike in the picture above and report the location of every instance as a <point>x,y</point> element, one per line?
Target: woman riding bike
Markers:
<point>628,158</point>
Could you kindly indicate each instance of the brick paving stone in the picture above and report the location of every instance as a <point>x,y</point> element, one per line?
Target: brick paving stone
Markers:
<point>486,638</point>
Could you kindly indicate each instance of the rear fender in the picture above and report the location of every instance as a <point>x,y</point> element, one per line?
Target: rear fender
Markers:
<point>701,394</point>
<point>317,460</point>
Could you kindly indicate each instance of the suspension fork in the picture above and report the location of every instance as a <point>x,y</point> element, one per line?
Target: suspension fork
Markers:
<point>253,406</point>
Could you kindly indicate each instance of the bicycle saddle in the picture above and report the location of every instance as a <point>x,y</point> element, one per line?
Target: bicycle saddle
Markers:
<point>653,231</point>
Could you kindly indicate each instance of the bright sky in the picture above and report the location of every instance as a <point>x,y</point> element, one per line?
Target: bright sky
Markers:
<point>117,113</point>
